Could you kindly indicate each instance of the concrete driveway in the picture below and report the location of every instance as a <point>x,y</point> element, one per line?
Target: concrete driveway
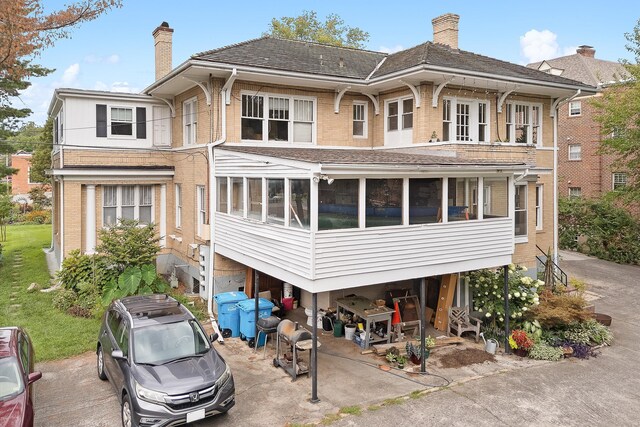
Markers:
<point>512,391</point>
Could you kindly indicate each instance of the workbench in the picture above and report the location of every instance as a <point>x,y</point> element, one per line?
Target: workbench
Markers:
<point>365,309</point>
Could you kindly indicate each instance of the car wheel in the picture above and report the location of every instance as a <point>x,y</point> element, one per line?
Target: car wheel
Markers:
<point>100,364</point>
<point>127,412</point>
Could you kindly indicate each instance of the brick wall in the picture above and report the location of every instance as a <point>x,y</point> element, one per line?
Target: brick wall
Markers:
<point>20,181</point>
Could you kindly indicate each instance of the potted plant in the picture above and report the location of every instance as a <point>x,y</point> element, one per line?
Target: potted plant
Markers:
<point>520,342</point>
<point>434,137</point>
<point>401,360</point>
<point>414,352</point>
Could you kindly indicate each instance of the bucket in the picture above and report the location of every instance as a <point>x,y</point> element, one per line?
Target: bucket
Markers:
<point>349,331</point>
<point>337,328</point>
<point>287,290</point>
<point>287,303</point>
<point>491,346</point>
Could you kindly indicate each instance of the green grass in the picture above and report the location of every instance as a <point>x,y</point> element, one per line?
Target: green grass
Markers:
<point>55,335</point>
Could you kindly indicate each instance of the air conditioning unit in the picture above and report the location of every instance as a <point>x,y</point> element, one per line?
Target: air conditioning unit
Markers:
<point>203,266</point>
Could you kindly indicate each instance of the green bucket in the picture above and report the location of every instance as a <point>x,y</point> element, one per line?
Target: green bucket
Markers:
<point>337,328</point>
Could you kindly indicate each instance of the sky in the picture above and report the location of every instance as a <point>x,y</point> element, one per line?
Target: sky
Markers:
<point>115,52</point>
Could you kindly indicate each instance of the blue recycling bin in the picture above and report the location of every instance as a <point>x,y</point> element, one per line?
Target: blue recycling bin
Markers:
<point>247,309</point>
<point>228,316</point>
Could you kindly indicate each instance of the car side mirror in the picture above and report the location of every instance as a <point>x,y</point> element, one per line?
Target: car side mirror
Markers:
<point>214,337</point>
<point>33,377</point>
<point>118,355</point>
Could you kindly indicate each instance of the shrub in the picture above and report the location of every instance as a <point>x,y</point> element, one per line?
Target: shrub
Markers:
<point>488,293</point>
<point>559,311</point>
<point>543,351</point>
<point>128,244</point>
<point>80,268</point>
<point>38,217</point>
<point>587,332</point>
<point>134,281</point>
<point>65,299</point>
<point>578,334</point>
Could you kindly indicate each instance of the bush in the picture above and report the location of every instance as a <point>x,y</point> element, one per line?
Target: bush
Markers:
<point>543,351</point>
<point>65,299</point>
<point>38,217</point>
<point>488,293</point>
<point>80,268</point>
<point>559,311</point>
<point>576,333</point>
<point>134,281</point>
<point>128,244</point>
<point>588,332</point>
<point>603,230</point>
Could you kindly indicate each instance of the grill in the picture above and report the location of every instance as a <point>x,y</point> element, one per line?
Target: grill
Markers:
<point>183,401</point>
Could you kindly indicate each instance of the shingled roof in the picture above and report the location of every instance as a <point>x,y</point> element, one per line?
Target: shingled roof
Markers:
<point>320,59</point>
<point>588,70</point>
<point>362,156</point>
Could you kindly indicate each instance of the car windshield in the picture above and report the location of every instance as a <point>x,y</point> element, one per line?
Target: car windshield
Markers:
<point>165,342</point>
<point>10,379</point>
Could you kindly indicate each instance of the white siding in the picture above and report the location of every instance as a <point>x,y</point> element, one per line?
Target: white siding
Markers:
<point>287,249</point>
<point>230,164</point>
<point>349,252</point>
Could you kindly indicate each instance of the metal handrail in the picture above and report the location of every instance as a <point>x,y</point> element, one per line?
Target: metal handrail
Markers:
<point>558,273</point>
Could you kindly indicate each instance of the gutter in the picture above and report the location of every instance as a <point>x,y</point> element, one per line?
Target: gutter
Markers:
<point>212,193</point>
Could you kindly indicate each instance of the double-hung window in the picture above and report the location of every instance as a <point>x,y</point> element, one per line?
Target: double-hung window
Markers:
<point>288,118</point>
<point>524,123</point>
<point>121,121</point>
<point>539,201</point>
<point>118,122</point>
<point>619,180</point>
<point>201,203</point>
<point>521,211</point>
<point>575,152</point>
<point>360,119</point>
<point>399,121</point>
<point>127,202</point>
<point>465,120</point>
<point>178,206</point>
<point>575,108</point>
<point>190,121</point>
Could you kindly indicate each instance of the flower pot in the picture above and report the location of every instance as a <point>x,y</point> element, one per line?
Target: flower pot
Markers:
<point>520,352</point>
<point>415,359</point>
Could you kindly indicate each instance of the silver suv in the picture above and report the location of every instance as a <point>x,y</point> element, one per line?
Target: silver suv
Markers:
<point>161,363</point>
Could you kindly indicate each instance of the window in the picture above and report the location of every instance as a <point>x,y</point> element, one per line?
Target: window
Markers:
<point>145,204</point>
<point>392,116</point>
<point>461,195</point>
<point>575,108</point>
<point>407,113</point>
<point>201,202</point>
<point>121,121</point>
<point>539,202</point>
<point>338,204</point>
<point>127,202</point>
<point>575,192</point>
<point>575,152</point>
<point>223,196</point>
<point>470,123</point>
<point>255,198</point>
<point>190,121</point>
<point>237,196</point>
<point>360,119</point>
<point>290,119</point>
<point>524,123</point>
<point>275,201</point>
<point>496,196</point>
<point>299,203</point>
<point>178,206</point>
<point>619,180</point>
<point>399,121</point>
<point>425,200</point>
<point>521,210</point>
<point>383,202</point>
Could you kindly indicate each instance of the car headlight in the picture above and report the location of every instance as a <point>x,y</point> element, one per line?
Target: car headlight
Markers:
<point>150,395</point>
<point>224,377</point>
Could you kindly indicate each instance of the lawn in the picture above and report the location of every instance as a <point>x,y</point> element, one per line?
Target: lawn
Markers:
<point>55,335</point>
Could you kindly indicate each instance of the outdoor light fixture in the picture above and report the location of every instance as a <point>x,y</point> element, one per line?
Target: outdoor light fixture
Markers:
<point>321,177</point>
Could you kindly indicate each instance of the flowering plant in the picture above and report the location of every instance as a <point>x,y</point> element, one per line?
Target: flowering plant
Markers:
<point>488,293</point>
<point>520,339</point>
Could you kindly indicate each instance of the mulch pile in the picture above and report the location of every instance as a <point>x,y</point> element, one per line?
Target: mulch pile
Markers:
<point>469,356</point>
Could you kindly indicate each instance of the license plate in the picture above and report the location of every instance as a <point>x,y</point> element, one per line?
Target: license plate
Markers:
<point>195,415</point>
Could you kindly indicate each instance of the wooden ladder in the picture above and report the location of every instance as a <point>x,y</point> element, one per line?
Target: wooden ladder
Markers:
<point>445,300</point>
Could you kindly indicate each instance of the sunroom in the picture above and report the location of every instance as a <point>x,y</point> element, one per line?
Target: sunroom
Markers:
<point>330,219</point>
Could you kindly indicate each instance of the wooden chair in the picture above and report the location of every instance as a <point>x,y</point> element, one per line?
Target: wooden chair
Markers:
<point>460,320</point>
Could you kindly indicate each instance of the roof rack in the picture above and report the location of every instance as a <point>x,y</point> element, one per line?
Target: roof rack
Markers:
<point>142,304</point>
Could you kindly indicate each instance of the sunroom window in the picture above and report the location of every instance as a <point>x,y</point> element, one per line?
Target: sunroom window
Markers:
<point>384,202</point>
<point>275,201</point>
<point>299,203</point>
<point>338,204</point>
<point>425,200</point>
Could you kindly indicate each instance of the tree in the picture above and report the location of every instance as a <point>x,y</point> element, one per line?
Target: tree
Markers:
<point>619,115</point>
<point>27,137</point>
<point>41,159</point>
<point>128,244</point>
<point>5,215</point>
<point>306,27</point>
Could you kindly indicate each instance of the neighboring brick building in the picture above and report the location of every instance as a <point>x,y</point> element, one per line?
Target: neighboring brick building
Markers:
<point>582,170</point>
<point>21,181</point>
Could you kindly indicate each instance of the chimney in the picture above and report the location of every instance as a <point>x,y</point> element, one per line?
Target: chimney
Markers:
<point>587,51</point>
<point>162,38</point>
<point>445,30</point>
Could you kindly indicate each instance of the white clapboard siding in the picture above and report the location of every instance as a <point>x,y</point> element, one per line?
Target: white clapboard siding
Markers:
<point>285,248</point>
<point>227,164</point>
<point>356,251</point>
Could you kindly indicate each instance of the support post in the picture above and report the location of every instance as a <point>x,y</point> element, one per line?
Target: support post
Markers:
<point>507,349</point>
<point>314,349</point>
<point>423,323</point>
<point>257,314</point>
<point>90,237</point>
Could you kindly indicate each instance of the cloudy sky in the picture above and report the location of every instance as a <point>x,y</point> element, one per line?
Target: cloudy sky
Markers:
<point>115,52</point>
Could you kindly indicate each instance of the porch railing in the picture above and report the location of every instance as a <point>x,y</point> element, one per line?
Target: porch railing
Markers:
<point>558,274</point>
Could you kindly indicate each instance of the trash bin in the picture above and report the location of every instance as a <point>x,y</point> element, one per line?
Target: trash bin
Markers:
<point>228,315</point>
<point>247,309</point>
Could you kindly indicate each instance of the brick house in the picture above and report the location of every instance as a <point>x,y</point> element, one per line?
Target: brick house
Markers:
<point>582,171</point>
<point>336,170</point>
<point>21,181</point>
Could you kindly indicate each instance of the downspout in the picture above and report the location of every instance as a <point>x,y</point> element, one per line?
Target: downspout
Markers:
<point>212,186</point>
<point>556,109</point>
<point>61,221</point>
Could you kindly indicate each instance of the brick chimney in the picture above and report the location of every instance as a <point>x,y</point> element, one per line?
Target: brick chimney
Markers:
<point>445,30</point>
<point>162,39</point>
<point>587,51</point>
